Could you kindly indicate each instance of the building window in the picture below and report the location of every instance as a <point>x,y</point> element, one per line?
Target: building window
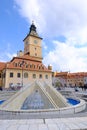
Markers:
<point>20,65</point>
<point>18,75</point>
<point>27,66</point>
<point>46,76</point>
<point>70,85</point>
<point>30,66</point>
<point>34,76</point>
<point>4,75</point>
<point>25,75</point>
<point>42,67</point>
<point>65,85</point>
<point>15,64</point>
<point>11,75</point>
<point>35,54</point>
<point>34,66</point>
<point>0,75</point>
<point>40,76</point>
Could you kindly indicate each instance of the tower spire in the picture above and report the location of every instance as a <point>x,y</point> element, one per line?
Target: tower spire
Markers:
<point>33,29</point>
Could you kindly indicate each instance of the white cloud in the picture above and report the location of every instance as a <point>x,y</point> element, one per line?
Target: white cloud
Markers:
<point>10,56</point>
<point>44,45</point>
<point>67,58</point>
<point>7,53</point>
<point>55,18</point>
<point>7,56</point>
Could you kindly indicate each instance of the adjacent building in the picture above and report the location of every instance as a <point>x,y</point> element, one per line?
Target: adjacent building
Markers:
<point>70,79</point>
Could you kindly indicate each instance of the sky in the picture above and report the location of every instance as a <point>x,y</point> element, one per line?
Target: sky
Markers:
<point>61,24</point>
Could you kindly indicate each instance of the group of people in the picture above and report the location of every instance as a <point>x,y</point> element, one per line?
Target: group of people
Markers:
<point>82,87</point>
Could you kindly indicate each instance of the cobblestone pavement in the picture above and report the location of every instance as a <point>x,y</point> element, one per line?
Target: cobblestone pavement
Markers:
<point>45,124</point>
<point>63,122</point>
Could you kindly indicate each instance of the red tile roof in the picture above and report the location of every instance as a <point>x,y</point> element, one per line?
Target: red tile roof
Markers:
<point>71,75</point>
<point>27,57</point>
<point>29,64</point>
<point>2,65</point>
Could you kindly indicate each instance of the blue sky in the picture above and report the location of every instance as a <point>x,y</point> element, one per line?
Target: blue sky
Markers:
<point>13,29</point>
<point>62,24</point>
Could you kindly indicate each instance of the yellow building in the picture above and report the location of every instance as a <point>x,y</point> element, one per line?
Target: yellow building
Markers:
<point>27,66</point>
<point>71,79</point>
<point>75,79</point>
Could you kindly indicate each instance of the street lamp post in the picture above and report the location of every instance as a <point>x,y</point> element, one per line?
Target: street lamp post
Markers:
<point>22,63</point>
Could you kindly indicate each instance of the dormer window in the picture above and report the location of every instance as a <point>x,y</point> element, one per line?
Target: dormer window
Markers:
<point>30,66</point>
<point>15,64</point>
<point>42,67</point>
<point>27,66</point>
<point>34,66</point>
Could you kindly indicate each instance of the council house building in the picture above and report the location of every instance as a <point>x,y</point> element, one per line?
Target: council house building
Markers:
<point>27,66</point>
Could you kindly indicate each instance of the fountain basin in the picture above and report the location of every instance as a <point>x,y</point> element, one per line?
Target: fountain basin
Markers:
<point>73,101</point>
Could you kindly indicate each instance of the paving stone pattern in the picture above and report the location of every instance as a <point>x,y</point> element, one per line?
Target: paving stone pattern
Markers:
<point>45,124</point>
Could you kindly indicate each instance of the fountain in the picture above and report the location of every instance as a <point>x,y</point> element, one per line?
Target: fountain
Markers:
<point>40,98</point>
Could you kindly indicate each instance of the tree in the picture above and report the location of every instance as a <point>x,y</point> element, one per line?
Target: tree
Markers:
<point>58,84</point>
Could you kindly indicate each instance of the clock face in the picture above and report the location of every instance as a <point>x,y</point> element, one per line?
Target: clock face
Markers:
<point>35,41</point>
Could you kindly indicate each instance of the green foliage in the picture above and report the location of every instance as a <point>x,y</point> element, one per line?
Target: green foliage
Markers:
<point>58,84</point>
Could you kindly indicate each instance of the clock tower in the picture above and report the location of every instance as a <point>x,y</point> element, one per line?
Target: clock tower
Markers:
<point>32,44</point>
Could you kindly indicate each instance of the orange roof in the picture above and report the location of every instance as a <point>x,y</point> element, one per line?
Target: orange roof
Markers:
<point>27,57</point>
<point>76,75</point>
<point>85,73</point>
<point>71,75</point>
<point>2,65</point>
<point>61,74</point>
<point>29,64</point>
